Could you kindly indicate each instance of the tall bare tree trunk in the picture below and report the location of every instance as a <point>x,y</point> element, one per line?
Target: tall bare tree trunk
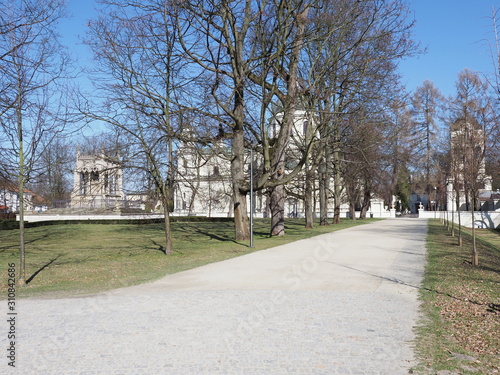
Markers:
<point>366,203</point>
<point>277,198</point>
<point>168,194</point>
<point>336,184</point>
<point>22,270</point>
<point>168,232</point>
<point>352,210</point>
<point>324,183</point>
<point>475,256</point>
<point>323,198</point>
<point>452,220</point>
<point>277,205</point>
<point>241,221</point>
<point>308,196</point>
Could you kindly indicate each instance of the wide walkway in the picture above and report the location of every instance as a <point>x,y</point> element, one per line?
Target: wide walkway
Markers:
<point>340,303</point>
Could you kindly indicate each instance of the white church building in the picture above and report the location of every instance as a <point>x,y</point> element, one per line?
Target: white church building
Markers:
<point>203,181</point>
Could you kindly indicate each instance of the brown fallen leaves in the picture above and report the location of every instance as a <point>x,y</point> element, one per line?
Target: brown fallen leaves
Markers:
<point>474,326</point>
<point>469,302</point>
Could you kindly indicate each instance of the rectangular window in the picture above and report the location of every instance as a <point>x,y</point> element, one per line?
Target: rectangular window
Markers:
<point>112,185</point>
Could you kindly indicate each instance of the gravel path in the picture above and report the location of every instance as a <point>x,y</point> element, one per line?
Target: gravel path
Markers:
<point>340,303</point>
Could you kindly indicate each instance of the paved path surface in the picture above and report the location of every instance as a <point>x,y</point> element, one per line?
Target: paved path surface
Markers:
<point>339,303</point>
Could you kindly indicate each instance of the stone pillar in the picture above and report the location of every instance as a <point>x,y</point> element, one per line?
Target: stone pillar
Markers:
<point>392,212</point>
<point>420,208</point>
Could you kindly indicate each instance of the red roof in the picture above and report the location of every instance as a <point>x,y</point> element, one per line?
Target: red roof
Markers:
<point>10,186</point>
<point>38,199</point>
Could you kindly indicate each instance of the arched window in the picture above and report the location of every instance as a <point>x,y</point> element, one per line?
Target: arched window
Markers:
<point>94,175</point>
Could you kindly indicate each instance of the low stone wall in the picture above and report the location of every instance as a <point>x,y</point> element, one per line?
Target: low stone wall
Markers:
<point>63,217</point>
<point>482,219</point>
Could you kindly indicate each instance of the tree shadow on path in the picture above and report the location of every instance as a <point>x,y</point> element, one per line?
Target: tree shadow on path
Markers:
<point>492,307</point>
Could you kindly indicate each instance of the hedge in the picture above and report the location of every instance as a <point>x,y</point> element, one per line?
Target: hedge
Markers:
<point>13,224</point>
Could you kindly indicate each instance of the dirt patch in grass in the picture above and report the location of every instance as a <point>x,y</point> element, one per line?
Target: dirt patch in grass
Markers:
<point>461,303</point>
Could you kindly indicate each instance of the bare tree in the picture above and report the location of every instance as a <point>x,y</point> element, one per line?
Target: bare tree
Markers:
<point>217,43</point>
<point>426,104</point>
<point>290,21</point>
<point>52,177</point>
<point>243,46</point>
<point>354,65</point>
<point>398,154</point>
<point>474,119</point>
<point>363,161</point>
<point>141,79</point>
<point>32,64</point>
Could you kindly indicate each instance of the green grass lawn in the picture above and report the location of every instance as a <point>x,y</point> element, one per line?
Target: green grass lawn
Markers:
<point>80,259</point>
<point>460,329</point>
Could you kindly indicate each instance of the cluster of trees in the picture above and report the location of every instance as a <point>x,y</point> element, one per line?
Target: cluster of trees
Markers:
<point>470,157</point>
<point>453,139</point>
<point>168,72</point>
<point>175,71</point>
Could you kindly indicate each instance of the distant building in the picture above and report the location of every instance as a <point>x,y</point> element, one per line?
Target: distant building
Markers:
<point>489,200</point>
<point>203,177</point>
<point>467,154</point>
<point>9,196</point>
<point>203,182</point>
<point>417,201</point>
<point>97,182</point>
<point>10,202</point>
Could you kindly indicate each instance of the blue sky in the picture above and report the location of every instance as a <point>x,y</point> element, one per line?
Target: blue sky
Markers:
<point>73,29</point>
<point>453,31</point>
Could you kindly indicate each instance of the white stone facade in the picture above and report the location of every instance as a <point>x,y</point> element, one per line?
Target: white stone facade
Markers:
<point>97,182</point>
<point>203,181</point>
